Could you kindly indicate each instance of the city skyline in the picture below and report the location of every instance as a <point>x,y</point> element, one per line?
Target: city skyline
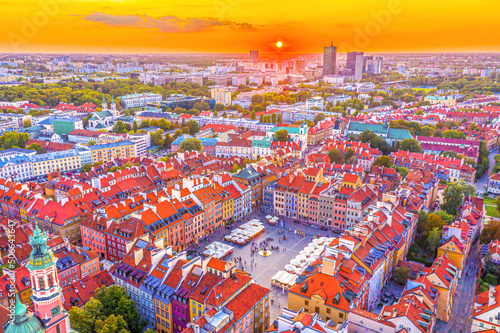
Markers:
<point>395,26</point>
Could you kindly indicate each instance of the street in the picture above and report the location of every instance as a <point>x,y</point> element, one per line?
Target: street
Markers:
<point>266,267</point>
<point>461,313</point>
<point>482,182</point>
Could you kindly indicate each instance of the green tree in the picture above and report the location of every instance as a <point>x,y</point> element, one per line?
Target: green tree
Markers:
<point>193,127</point>
<point>145,124</point>
<point>252,115</point>
<point>119,127</point>
<point>224,115</point>
<point>219,107</point>
<point>84,321</point>
<point>279,119</point>
<point>319,117</point>
<point>164,124</point>
<point>402,171</point>
<point>216,113</point>
<point>410,145</point>
<point>453,134</point>
<point>401,275</point>
<point>281,135</point>
<point>168,140</point>
<point>273,118</point>
<point>335,156</point>
<point>384,161</point>
<point>433,240</point>
<point>37,147</point>
<point>86,168</point>
<point>135,127</point>
<point>115,301</point>
<point>177,134</point>
<point>261,118</point>
<point>91,143</point>
<point>27,123</point>
<point>491,279</point>
<point>191,144</point>
<point>491,231</point>
<point>453,196</point>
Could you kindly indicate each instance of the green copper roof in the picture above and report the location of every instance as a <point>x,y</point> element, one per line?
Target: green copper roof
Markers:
<point>264,143</point>
<point>23,323</point>
<point>20,308</point>
<point>399,134</point>
<point>41,256</point>
<point>375,128</point>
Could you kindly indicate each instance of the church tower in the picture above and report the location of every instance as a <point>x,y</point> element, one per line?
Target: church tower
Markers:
<point>113,107</point>
<point>104,103</point>
<point>45,285</point>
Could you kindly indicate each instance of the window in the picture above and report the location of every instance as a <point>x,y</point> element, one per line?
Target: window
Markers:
<point>341,315</point>
<point>306,302</point>
<point>51,281</point>
<point>330,311</point>
<point>316,309</point>
<point>55,311</point>
<point>41,283</point>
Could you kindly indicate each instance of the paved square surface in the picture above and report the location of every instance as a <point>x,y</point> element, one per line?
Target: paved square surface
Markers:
<point>265,267</point>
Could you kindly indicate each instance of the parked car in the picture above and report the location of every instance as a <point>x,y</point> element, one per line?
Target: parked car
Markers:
<point>314,226</point>
<point>296,221</point>
<point>323,228</point>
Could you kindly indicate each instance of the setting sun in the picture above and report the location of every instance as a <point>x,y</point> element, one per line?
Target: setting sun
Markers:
<point>279,44</point>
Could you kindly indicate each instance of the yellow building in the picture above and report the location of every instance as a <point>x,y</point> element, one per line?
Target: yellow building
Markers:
<point>321,294</point>
<point>107,152</point>
<point>68,160</point>
<point>227,202</point>
<point>455,251</point>
<point>163,313</point>
<point>351,181</point>
<point>444,277</point>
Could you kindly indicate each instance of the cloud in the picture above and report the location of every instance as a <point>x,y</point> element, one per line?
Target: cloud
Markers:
<point>172,24</point>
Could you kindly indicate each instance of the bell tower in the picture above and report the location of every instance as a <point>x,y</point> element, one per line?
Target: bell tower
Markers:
<point>45,285</point>
<point>104,104</point>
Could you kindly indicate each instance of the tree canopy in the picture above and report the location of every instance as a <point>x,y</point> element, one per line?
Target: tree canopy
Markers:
<point>110,311</point>
<point>191,144</point>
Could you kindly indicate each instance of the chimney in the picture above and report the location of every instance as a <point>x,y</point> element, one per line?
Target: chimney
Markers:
<point>138,255</point>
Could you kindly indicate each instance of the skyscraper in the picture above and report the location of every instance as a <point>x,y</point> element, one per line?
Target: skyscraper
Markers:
<point>330,60</point>
<point>351,59</point>
<point>254,56</point>
<point>358,66</point>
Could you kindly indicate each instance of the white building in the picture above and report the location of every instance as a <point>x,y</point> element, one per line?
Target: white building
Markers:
<point>19,168</point>
<point>140,100</point>
<point>314,102</point>
<point>141,143</point>
<point>14,104</point>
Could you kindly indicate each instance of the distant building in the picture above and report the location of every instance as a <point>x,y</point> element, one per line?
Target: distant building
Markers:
<point>140,100</point>
<point>330,60</point>
<point>314,102</point>
<point>254,56</point>
<point>64,126</point>
<point>221,96</point>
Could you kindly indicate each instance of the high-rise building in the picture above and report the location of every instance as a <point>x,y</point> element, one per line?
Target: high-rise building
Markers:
<point>330,60</point>
<point>221,96</point>
<point>358,66</point>
<point>377,65</point>
<point>373,65</point>
<point>254,56</point>
<point>300,66</point>
<point>351,59</point>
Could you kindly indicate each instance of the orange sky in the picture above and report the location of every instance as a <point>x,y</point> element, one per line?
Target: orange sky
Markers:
<point>234,26</point>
